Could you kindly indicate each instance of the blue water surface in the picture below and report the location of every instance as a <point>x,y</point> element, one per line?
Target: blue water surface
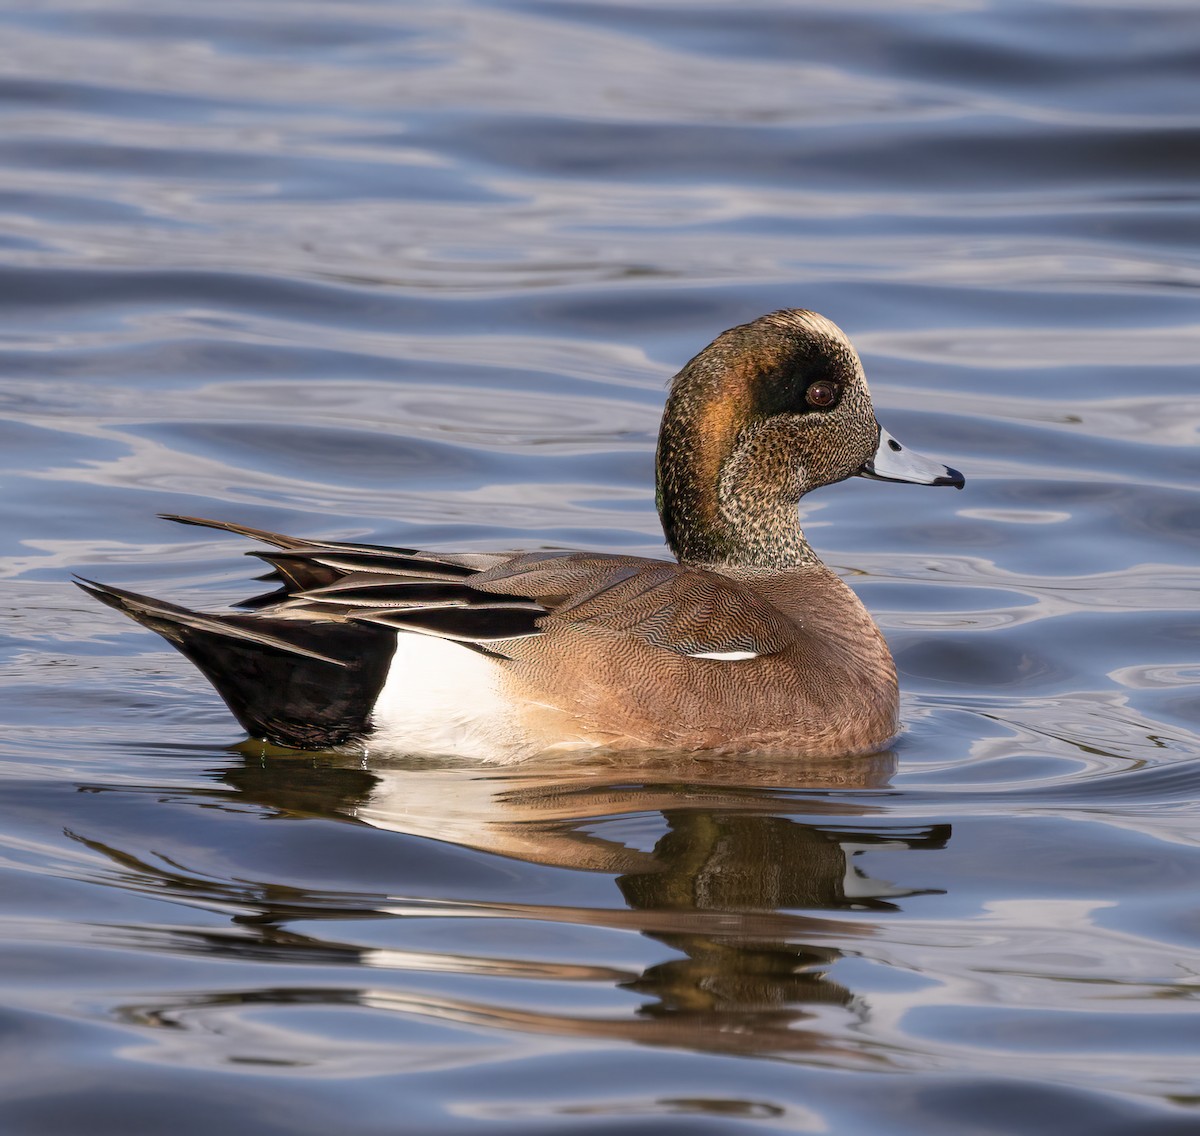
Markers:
<point>418,273</point>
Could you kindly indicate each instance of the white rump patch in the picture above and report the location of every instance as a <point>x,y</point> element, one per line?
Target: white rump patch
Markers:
<point>443,698</point>
<point>726,656</point>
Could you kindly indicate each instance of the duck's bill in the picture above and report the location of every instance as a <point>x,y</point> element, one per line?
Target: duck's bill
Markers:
<point>892,462</point>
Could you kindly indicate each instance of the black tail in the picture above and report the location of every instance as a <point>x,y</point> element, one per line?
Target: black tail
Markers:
<point>295,682</point>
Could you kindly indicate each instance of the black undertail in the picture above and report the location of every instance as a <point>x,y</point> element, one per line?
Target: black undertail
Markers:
<point>299,683</point>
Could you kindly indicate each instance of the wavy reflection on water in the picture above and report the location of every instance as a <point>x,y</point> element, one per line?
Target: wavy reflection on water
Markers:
<point>745,900</point>
<point>782,923</point>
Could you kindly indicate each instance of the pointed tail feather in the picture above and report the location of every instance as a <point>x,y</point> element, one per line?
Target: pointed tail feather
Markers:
<point>308,684</point>
<point>293,543</point>
<point>279,540</point>
<point>170,620</point>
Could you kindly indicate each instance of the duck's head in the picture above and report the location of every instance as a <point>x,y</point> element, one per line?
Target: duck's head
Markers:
<point>766,412</point>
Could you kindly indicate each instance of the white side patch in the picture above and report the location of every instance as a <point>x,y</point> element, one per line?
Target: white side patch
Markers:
<point>443,698</point>
<point>726,656</point>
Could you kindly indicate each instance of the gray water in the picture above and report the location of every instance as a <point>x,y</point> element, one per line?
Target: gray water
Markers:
<point>418,273</point>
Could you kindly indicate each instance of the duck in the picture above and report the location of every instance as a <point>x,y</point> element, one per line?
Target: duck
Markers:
<point>744,643</point>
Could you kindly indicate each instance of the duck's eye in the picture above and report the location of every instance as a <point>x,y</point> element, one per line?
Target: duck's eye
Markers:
<point>822,393</point>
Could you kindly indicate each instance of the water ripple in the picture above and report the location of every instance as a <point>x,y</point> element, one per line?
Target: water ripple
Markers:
<point>420,274</point>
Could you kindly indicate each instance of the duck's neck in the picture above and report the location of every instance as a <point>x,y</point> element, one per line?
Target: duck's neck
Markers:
<point>729,502</point>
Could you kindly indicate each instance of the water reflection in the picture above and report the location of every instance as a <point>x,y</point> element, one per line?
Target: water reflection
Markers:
<point>753,985</point>
<point>753,888</point>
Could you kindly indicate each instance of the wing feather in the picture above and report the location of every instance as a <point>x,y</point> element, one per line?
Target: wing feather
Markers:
<point>690,611</point>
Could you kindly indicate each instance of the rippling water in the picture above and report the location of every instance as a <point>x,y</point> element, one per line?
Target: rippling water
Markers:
<point>418,273</point>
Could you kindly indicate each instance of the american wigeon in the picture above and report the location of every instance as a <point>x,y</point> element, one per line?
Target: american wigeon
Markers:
<point>747,644</point>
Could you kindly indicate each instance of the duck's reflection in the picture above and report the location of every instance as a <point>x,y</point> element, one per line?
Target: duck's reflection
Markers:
<point>749,885</point>
<point>756,979</point>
